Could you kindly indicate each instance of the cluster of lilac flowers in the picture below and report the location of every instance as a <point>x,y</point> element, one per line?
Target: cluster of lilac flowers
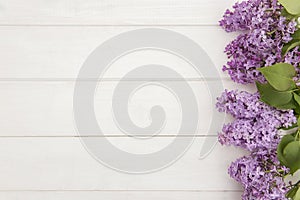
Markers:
<point>261,175</point>
<point>293,57</point>
<point>255,128</point>
<point>255,125</point>
<point>265,32</point>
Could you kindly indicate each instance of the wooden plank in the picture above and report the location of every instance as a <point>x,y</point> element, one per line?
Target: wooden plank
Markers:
<point>58,53</point>
<point>64,164</point>
<point>46,108</point>
<point>117,195</point>
<point>116,12</point>
<point>43,46</point>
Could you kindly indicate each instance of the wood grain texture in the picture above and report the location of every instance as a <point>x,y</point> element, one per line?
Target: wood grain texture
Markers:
<point>58,53</point>
<point>112,12</point>
<point>43,46</point>
<point>46,108</point>
<point>64,164</point>
<point>117,195</point>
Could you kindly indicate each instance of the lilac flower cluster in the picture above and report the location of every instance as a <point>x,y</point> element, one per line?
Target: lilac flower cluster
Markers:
<point>293,58</point>
<point>261,175</point>
<point>265,33</point>
<point>255,128</point>
<point>255,125</point>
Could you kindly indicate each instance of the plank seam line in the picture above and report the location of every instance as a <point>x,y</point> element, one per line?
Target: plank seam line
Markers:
<point>109,25</point>
<point>104,136</point>
<point>107,79</point>
<point>120,190</point>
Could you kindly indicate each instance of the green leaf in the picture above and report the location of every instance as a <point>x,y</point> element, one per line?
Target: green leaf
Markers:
<point>297,195</point>
<point>290,105</point>
<point>283,143</point>
<point>292,192</point>
<point>287,15</point>
<point>291,154</point>
<point>298,121</point>
<point>289,46</point>
<point>292,6</point>
<point>296,34</point>
<point>273,97</point>
<point>280,76</point>
<point>297,110</point>
<point>297,98</point>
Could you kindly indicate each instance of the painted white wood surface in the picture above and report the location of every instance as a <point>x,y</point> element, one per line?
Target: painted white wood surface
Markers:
<point>112,12</point>
<point>43,44</point>
<point>59,52</point>
<point>64,164</point>
<point>45,108</point>
<point>117,195</point>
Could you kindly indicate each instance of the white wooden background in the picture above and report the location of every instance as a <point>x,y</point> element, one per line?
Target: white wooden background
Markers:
<point>43,44</point>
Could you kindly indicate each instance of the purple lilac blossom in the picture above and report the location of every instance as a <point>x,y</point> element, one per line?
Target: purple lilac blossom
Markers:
<point>293,58</point>
<point>255,125</point>
<point>264,34</point>
<point>261,175</point>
